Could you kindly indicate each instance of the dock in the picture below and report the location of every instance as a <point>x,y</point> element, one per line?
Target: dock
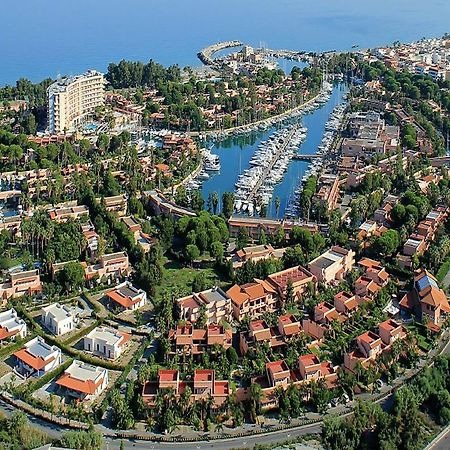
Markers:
<point>305,156</point>
<point>275,158</point>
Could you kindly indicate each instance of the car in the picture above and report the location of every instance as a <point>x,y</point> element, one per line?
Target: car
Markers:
<point>334,402</point>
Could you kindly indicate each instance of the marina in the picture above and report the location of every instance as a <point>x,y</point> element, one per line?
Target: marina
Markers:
<point>236,153</point>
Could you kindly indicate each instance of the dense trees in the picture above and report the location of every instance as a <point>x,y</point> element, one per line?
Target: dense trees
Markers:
<point>403,426</point>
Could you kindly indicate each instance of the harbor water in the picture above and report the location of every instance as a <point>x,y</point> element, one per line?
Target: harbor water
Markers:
<point>236,152</point>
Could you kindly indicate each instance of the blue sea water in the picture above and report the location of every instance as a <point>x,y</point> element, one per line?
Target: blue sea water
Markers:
<point>41,38</point>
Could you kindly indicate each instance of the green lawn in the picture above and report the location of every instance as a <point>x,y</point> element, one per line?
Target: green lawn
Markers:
<point>443,270</point>
<point>177,279</point>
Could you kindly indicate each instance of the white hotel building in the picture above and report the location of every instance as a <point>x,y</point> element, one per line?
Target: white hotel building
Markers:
<point>71,100</point>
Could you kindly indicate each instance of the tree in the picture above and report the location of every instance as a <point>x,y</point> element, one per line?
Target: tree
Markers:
<point>216,251</point>
<point>277,205</point>
<point>242,238</point>
<point>387,243</point>
<point>191,253</point>
<point>227,204</point>
<point>71,276</point>
<point>215,202</point>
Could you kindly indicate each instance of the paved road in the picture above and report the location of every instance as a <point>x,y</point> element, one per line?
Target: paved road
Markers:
<point>442,441</point>
<point>226,444</point>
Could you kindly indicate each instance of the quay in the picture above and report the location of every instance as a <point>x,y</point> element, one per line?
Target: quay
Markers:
<point>305,156</point>
<point>267,170</point>
<point>206,55</point>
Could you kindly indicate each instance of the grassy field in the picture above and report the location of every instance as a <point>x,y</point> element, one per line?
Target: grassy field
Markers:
<point>177,279</point>
<point>443,270</point>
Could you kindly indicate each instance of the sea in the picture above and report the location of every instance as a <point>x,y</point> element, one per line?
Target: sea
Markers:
<point>46,38</point>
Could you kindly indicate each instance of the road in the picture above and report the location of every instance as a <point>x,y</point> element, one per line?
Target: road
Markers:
<point>273,437</point>
<point>441,442</point>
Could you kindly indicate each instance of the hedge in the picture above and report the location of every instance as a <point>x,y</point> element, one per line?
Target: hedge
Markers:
<point>100,410</point>
<point>42,381</point>
<point>81,355</point>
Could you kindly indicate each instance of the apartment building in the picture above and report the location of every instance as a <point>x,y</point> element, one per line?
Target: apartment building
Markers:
<point>37,358</point>
<point>328,190</point>
<point>21,283</point>
<point>117,204</point>
<point>105,342</point>
<point>72,101</point>
<point>253,299</point>
<point>215,302</point>
<point>185,339</point>
<point>126,297</point>
<point>300,278</point>
<point>255,253</point>
<point>332,265</point>
<point>11,325</point>
<point>110,266</point>
<point>65,213</point>
<point>203,385</point>
<point>83,381</point>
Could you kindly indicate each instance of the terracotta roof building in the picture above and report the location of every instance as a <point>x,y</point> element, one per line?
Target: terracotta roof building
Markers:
<point>37,358</point>
<point>426,300</point>
<point>11,326</point>
<point>83,381</point>
<point>127,297</point>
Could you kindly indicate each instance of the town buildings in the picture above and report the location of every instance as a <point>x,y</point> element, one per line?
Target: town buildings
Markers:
<point>82,381</point>
<point>255,253</point>
<point>59,319</point>
<point>72,100</point>
<point>105,342</point>
<point>127,297</point>
<point>11,325</point>
<point>37,358</point>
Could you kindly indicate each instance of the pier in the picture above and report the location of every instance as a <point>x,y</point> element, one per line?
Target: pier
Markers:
<point>305,156</point>
<point>206,55</point>
<point>266,171</point>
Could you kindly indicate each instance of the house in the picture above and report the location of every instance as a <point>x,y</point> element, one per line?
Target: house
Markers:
<point>59,319</point>
<point>390,331</point>
<point>255,253</point>
<point>311,368</point>
<point>126,297</point>
<point>105,342</point>
<point>366,287</point>
<point>278,373</point>
<point>253,299</point>
<point>11,325</point>
<point>37,358</point>
<point>345,303</point>
<point>325,313</point>
<point>92,238</point>
<point>215,303</point>
<point>186,339</point>
<point>369,344</point>
<point>116,204</point>
<point>259,332</point>
<point>426,300</point>
<point>65,213</point>
<point>144,240</point>
<point>21,283</point>
<point>332,265</point>
<point>300,278</point>
<point>111,266</point>
<point>289,326</point>
<point>83,381</point>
